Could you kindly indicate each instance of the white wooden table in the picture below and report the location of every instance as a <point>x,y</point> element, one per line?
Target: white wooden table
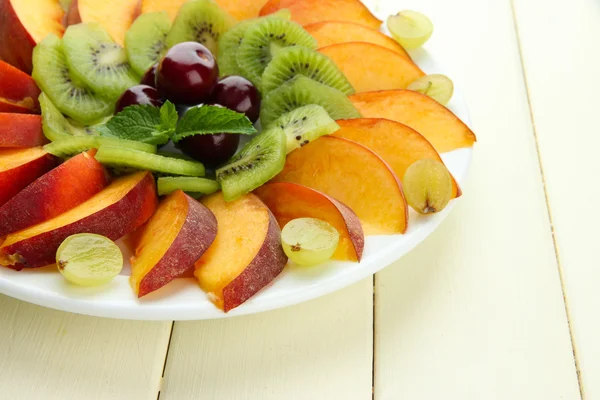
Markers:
<point>502,302</point>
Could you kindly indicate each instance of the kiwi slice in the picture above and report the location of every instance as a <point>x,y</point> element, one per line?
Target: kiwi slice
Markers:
<point>298,60</point>
<point>263,39</point>
<point>121,157</point>
<point>73,145</point>
<point>201,21</point>
<point>71,96</point>
<point>300,91</point>
<point>259,160</point>
<point>94,58</point>
<point>145,41</point>
<point>230,41</point>
<point>305,124</point>
<point>190,185</point>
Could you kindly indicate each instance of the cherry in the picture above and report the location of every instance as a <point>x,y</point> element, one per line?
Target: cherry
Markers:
<point>238,94</point>
<point>149,77</point>
<point>139,94</point>
<point>212,150</point>
<point>187,74</point>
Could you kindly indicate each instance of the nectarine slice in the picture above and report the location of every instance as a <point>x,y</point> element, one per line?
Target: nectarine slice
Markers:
<point>288,201</point>
<point>18,91</point>
<point>171,7</point>
<point>310,11</point>
<point>170,242</point>
<point>246,254</point>
<point>371,67</point>
<point>20,167</point>
<point>23,23</point>
<point>114,212</point>
<point>353,175</point>
<point>397,144</point>
<point>54,193</point>
<point>328,33</point>
<point>115,16</point>
<point>21,130</point>
<point>444,130</point>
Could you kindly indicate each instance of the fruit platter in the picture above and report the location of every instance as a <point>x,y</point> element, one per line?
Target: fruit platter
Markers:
<point>197,159</point>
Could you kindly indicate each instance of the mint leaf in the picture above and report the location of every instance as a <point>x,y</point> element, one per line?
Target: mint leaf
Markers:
<point>142,123</point>
<point>212,119</point>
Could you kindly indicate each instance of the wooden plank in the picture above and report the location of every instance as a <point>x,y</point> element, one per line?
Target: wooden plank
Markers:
<point>476,312</point>
<point>53,355</point>
<point>317,350</point>
<point>559,42</point>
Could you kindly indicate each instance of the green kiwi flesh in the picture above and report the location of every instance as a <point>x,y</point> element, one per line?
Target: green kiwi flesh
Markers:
<point>128,158</point>
<point>169,184</point>
<point>71,96</point>
<point>297,60</point>
<point>145,41</point>
<point>263,39</point>
<point>201,21</point>
<point>95,59</point>
<point>230,41</point>
<point>305,124</point>
<point>300,91</point>
<point>260,159</point>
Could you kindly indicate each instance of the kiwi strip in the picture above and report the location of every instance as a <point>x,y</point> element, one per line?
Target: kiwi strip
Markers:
<point>169,184</point>
<point>130,158</point>
<point>78,144</point>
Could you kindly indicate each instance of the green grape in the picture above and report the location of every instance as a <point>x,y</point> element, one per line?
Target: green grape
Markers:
<point>437,86</point>
<point>309,241</point>
<point>87,259</point>
<point>410,28</point>
<point>427,186</point>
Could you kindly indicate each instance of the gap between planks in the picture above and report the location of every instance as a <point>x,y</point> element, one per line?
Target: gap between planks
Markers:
<point>554,242</point>
<point>162,375</point>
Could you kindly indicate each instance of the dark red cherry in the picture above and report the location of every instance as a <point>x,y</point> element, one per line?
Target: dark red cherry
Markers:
<point>238,94</point>
<point>139,94</point>
<point>212,150</point>
<point>149,77</point>
<point>187,74</point>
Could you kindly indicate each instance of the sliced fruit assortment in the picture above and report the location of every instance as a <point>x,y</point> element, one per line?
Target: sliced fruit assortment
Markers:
<point>338,132</point>
<point>114,212</point>
<point>288,201</point>
<point>246,254</point>
<point>177,235</point>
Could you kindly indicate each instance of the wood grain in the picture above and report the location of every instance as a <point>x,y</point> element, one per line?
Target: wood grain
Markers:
<point>53,355</point>
<point>476,312</point>
<point>559,41</point>
<point>317,350</point>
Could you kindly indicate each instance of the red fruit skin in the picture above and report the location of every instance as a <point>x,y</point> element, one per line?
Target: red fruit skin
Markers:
<point>238,94</point>
<point>138,94</point>
<point>21,130</point>
<point>212,150</point>
<point>195,237</point>
<point>17,44</point>
<point>18,91</point>
<point>14,180</point>
<point>266,266</point>
<point>55,192</point>
<point>114,222</point>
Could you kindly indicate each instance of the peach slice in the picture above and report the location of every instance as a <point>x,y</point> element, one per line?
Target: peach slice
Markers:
<point>242,9</point>
<point>310,11</point>
<point>115,16</point>
<point>114,212</point>
<point>328,33</point>
<point>23,24</point>
<point>444,130</point>
<point>18,91</point>
<point>371,67</point>
<point>397,144</point>
<point>21,130</point>
<point>171,7</point>
<point>353,175</point>
<point>20,167</point>
<point>246,254</point>
<point>169,244</point>
<point>288,201</point>
<point>54,193</point>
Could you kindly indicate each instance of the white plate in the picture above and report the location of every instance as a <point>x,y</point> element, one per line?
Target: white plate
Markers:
<point>183,300</point>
